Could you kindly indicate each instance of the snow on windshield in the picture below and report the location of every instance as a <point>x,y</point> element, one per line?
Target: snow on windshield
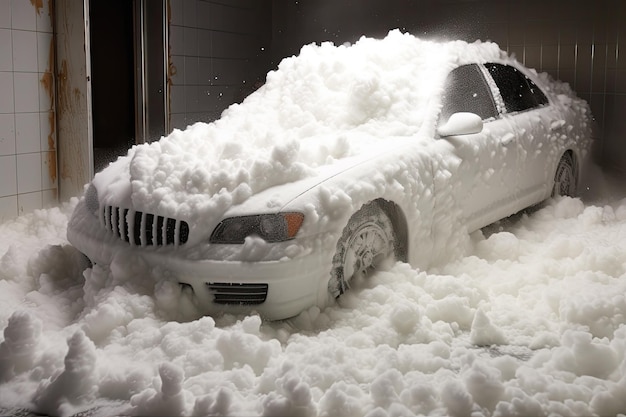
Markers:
<point>530,321</point>
<point>327,103</point>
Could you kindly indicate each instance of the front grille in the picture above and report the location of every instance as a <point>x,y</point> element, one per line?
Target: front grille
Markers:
<point>144,229</point>
<point>241,294</point>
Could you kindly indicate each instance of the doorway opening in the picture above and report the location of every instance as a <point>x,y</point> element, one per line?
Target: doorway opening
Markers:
<point>111,32</point>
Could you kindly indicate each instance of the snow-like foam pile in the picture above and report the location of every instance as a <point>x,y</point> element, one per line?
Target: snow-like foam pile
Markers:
<point>325,104</point>
<point>529,322</point>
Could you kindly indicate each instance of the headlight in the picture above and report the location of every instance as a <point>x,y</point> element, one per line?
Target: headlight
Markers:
<point>270,227</point>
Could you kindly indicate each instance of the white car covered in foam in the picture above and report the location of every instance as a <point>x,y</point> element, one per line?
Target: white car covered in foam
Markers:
<point>348,158</point>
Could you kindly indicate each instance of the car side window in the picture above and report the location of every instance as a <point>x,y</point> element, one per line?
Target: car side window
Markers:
<point>518,91</point>
<point>466,90</point>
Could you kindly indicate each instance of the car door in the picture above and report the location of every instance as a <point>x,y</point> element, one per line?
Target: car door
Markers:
<point>483,166</point>
<point>528,111</point>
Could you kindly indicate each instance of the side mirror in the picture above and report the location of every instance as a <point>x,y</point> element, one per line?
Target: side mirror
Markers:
<point>461,123</point>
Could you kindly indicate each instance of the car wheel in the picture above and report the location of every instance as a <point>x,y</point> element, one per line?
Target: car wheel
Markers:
<point>367,244</point>
<point>565,182</point>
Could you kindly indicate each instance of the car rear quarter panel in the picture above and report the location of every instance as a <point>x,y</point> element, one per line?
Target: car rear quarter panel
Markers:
<point>571,128</point>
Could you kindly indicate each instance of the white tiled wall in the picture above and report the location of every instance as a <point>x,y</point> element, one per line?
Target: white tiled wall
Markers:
<point>28,169</point>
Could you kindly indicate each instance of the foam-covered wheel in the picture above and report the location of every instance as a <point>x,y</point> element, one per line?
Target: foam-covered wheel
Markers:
<point>367,244</point>
<point>565,181</point>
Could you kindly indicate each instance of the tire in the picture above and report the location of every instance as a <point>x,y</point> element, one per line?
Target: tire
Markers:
<point>367,244</point>
<point>565,179</point>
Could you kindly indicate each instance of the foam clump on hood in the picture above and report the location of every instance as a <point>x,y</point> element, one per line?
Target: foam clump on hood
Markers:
<point>327,103</point>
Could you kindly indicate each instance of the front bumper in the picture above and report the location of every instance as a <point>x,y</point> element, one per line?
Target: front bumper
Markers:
<point>274,289</point>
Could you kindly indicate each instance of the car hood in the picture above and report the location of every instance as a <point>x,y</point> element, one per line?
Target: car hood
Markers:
<point>156,180</point>
<point>317,115</point>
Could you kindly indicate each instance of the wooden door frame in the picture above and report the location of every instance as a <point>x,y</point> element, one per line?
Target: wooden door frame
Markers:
<point>73,75</point>
<point>73,97</point>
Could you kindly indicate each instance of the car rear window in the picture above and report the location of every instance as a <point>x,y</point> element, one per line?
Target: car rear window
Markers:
<point>466,90</point>
<point>518,91</point>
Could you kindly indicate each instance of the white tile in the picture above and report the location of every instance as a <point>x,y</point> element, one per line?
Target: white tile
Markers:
<point>177,99</point>
<point>49,198</point>
<point>6,50</point>
<point>8,208</point>
<point>205,73</point>
<point>190,10</point>
<point>26,92</point>
<point>24,51</point>
<point>27,133</point>
<point>6,87</point>
<point>44,17</point>
<point>190,38</point>
<point>45,52</point>
<point>191,98</point>
<point>8,173</point>
<point>23,15</point>
<point>29,202</point>
<point>5,14</point>
<point>28,172</point>
<point>177,121</point>
<point>48,170</point>
<point>7,134</point>
<point>47,132</point>
<point>191,70</point>
<point>204,15</point>
<point>205,45</point>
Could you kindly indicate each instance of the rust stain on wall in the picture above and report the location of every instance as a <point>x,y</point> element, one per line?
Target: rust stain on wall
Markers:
<point>64,104</point>
<point>47,78</point>
<point>172,70</point>
<point>50,66</point>
<point>52,165</point>
<point>72,110</point>
<point>52,154</point>
<point>69,100</point>
<point>47,81</point>
<point>52,122</point>
<point>38,5</point>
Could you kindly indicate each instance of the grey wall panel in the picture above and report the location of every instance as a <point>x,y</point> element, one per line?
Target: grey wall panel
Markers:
<point>219,50</point>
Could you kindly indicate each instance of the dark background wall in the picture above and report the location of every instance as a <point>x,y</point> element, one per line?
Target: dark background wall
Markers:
<point>222,48</point>
<point>219,50</point>
<point>112,87</point>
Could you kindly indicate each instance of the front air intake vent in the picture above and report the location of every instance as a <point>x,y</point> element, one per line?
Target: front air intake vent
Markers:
<point>144,229</point>
<point>240,294</point>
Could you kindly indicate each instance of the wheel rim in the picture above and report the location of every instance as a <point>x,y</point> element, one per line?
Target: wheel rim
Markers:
<point>565,182</point>
<point>367,248</point>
